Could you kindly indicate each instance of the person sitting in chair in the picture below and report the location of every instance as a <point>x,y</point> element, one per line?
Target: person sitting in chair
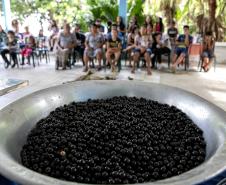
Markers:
<point>11,48</point>
<point>3,37</point>
<point>66,42</point>
<point>80,47</point>
<point>113,49</point>
<point>18,35</point>
<point>143,45</point>
<point>159,48</point>
<point>41,39</point>
<point>182,44</point>
<point>53,37</point>
<point>28,49</point>
<point>94,43</point>
<point>172,33</point>
<point>133,31</point>
<point>208,51</point>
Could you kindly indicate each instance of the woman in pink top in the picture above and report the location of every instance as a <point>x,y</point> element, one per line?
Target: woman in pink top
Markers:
<point>28,49</point>
<point>159,27</point>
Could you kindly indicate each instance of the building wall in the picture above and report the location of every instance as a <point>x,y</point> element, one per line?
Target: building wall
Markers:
<point>220,52</point>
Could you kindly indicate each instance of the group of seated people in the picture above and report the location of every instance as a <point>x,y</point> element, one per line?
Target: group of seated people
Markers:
<point>13,42</point>
<point>147,42</point>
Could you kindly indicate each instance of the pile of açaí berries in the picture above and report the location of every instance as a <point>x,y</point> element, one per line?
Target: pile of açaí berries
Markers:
<point>115,140</point>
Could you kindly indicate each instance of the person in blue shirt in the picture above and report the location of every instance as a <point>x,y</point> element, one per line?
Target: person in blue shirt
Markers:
<point>182,45</point>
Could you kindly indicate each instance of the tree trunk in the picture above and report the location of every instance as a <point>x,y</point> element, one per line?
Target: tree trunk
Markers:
<point>169,10</point>
<point>212,14</point>
<point>212,9</point>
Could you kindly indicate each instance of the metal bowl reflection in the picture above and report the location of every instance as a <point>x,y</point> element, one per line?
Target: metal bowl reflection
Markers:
<point>17,119</point>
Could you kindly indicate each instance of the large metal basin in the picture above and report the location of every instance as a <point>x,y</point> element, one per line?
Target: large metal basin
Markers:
<point>17,119</point>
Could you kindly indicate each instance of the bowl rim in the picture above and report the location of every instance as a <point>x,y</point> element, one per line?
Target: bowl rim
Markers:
<point>32,176</point>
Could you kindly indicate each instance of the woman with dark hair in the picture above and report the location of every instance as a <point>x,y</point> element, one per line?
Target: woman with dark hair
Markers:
<point>131,39</point>
<point>159,27</point>
<point>121,30</point>
<point>18,35</point>
<point>208,51</point>
<point>28,49</point>
<point>109,24</point>
<point>158,48</point>
<point>131,42</point>
<point>134,21</point>
<point>53,37</point>
<point>148,21</point>
<point>121,26</point>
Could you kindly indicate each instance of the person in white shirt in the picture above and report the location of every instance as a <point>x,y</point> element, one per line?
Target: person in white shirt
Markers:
<point>66,42</point>
<point>94,43</point>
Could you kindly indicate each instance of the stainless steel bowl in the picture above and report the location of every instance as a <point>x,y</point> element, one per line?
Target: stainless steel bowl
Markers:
<point>17,119</point>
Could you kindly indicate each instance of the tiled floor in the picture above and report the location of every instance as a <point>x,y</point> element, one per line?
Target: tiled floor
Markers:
<point>211,85</point>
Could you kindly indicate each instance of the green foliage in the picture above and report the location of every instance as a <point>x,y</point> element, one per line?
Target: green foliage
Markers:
<point>136,8</point>
<point>105,10</point>
<point>190,12</point>
<point>69,10</point>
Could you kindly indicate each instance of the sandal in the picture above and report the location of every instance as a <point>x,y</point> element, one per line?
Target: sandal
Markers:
<point>149,72</point>
<point>85,69</point>
<point>99,68</point>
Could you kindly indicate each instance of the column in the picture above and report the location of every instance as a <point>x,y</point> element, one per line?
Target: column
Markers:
<point>123,10</point>
<point>6,13</point>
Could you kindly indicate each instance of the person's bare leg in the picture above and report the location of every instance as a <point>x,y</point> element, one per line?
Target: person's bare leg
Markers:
<point>130,59</point>
<point>116,59</point>
<point>86,61</point>
<point>135,60</point>
<point>180,59</point>
<point>99,58</point>
<point>205,63</point>
<point>129,52</point>
<point>209,65</point>
<point>117,56</point>
<point>108,58</point>
<point>65,58</point>
<point>174,59</point>
<point>113,66</point>
<point>148,61</point>
<point>54,41</point>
